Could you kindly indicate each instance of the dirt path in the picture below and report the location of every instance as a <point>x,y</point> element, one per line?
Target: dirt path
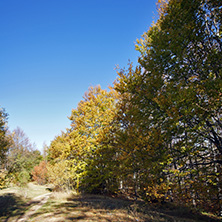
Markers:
<point>72,207</point>
<point>38,202</point>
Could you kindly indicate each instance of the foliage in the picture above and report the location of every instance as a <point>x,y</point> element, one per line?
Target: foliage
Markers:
<point>21,156</point>
<point>178,94</point>
<point>22,178</point>
<point>157,133</point>
<point>83,145</point>
<point>4,139</point>
<point>39,173</point>
<point>60,176</point>
<point>3,179</point>
<point>140,142</point>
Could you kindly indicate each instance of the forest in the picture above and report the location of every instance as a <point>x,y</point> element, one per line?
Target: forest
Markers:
<point>155,133</point>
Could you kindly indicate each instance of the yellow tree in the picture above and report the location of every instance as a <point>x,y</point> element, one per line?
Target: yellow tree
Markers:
<point>84,146</point>
<point>138,139</point>
<point>90,123</point>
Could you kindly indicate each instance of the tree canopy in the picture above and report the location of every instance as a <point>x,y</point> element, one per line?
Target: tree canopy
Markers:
<point>157,133</point>
<point>4,140</point>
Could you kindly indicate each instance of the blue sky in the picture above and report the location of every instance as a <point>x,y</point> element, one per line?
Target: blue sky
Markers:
<point>51,51</point>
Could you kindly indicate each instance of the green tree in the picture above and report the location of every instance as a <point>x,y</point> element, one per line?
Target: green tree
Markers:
<point>183,52</point>
<point>141,145</point>
<point>4,139</point>
<point>22,156</point>
<point>178,94</point>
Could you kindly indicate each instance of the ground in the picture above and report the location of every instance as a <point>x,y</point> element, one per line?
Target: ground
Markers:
<point>36,203</point>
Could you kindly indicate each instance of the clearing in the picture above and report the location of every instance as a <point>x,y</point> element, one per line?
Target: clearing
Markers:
<point>35,203</point>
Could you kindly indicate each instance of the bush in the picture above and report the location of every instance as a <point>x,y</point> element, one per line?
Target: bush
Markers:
<point>23,178</point>
<point>3,179</point>
<point>39,173</point>
<point>60,176</point>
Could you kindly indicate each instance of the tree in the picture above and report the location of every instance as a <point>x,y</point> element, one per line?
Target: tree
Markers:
<point>22,156</point>
<point>83,148</point>
<point>158,131</point>
<point>178,94</point>
<point>141,146</point>
<point>4,139</point>
<point>183,51</point>
<point>39,173</point>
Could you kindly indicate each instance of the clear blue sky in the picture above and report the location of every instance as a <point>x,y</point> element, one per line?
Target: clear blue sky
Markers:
<point>51,51</point>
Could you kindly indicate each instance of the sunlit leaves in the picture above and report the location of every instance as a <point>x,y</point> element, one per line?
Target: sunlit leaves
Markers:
<point>158,132</point>
<point>84,146</point>
<point>39,173</point>
<point>181,89</point>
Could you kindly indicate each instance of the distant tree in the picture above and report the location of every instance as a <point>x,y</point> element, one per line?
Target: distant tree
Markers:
<point>4,139</point>
<point>22,155</point>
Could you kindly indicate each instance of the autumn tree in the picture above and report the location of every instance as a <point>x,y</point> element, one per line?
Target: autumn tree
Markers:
<point>93,120</point>
<point>140,142</point>
<point>59,170</point>
<point>39,173</point>
<point>157,134</point>
<point>22,156</point>
<point>83,148</point>
<point>175,98</point>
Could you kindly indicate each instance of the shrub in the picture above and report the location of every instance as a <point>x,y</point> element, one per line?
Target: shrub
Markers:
<point>23,178</point>
<point>3,179</point>
<point>39,173</point>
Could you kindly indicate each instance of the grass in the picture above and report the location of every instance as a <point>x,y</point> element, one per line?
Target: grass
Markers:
<point>72,207</point>
<point>15,201</point>
<point>30,191</point>
<point>11,206</point>
<point>68,206</point>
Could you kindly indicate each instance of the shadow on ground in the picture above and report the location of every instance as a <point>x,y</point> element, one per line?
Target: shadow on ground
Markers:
<point>102,208</point>
<point>162,212</point>
<point>13,207</point>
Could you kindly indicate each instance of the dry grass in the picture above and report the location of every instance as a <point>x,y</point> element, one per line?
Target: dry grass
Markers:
<point>68,206</point>
<point>62,196</point>
<point>15,201</point>
<point>30,191</point>
<point>72,207</point>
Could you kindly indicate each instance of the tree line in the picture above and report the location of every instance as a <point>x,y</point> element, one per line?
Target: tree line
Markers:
<point>156,133</point>
<point>18,156</point>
